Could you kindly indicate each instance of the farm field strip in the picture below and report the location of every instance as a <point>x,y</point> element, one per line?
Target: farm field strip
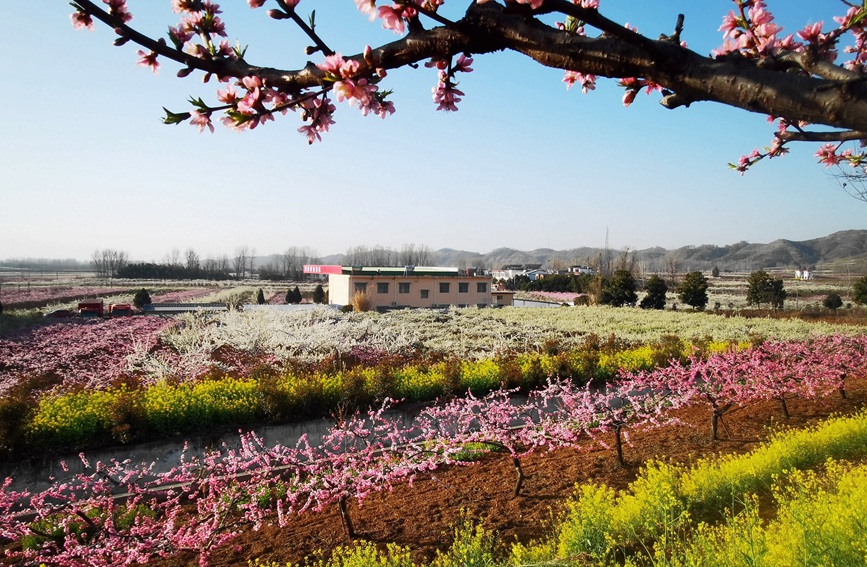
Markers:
<point>41,296</point>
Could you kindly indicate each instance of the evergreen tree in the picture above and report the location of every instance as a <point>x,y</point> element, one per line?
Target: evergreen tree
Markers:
<point>619,290</point>
<point>289,296</point>
<point>777,293</point>
<point>656,290</point>
<point>859,291</point>
<point>833,301</point>
<point>141,298</point>
<point>693,290</point>
<point>715,272</point>
<point>260,297</point>
<point>762,288</point>
<point>319,294</point>
<point>757,287</point>
<point>296,295</point>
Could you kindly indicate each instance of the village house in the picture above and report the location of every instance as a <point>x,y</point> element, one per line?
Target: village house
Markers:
<point>410,286</point>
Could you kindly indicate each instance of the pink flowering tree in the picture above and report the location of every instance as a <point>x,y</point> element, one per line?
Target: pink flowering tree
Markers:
<point>496,420</point>
<point>809,369</point>
<point>809,82</point>
<point>719,381</point>
<point>840,356</point>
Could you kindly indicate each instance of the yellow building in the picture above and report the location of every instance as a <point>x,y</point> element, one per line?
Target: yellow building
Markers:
<point>407,287</point>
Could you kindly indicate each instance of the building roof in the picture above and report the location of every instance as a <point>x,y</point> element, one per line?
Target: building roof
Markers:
<point>393,271</point>
<point>403,271</point>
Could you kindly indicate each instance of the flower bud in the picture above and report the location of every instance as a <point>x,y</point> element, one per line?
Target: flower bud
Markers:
<point>278,14</point>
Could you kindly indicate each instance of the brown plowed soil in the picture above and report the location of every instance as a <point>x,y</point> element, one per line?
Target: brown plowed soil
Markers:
<point>421,517</point>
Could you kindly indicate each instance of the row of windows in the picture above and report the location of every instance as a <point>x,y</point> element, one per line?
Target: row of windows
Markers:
<point>403,287</point>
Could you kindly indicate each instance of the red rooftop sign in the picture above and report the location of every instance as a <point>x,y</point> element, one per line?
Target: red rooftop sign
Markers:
<point>322,269</point>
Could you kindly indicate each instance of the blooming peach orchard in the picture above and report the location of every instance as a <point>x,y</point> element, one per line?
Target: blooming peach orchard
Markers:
<point>206,501</point>
<point>810,82</point>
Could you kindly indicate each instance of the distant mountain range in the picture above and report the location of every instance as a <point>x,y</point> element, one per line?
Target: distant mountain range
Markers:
<point>835,251</point>
<point>844,251</point>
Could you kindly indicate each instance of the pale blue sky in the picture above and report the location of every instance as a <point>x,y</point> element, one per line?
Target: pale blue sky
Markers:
<point>88,165</point>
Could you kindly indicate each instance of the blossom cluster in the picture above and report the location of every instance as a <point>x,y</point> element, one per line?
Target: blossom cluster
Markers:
<point>446,94</point>
<point>751,31</point>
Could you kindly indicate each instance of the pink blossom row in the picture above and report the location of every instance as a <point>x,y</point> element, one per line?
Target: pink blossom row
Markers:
<point>80,352</point>
<point>559,296</point>
<point>40,296</point>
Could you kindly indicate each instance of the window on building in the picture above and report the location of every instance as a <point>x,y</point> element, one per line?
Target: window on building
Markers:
<point>361,287</point>
<point>482,287</point>
<point>444,287</point>
<point>403,287</point>
<point>463,287</point>
<point>382,287</point>
<point>424,293</point>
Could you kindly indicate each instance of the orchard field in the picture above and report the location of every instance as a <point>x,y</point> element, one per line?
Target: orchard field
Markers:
<point>590,382</point>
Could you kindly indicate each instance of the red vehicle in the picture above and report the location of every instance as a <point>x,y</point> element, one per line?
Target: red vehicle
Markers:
<point>91,308</point>
<point>120,309</point>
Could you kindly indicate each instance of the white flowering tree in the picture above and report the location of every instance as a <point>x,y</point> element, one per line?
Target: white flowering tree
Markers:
<point>811,82</point>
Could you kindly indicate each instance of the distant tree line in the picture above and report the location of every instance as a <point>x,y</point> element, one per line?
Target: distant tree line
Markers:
<point>108,263</point>
<point>45,264</point>
<point>289,265</point>
<point>618,289</point>
<point>242,264</point>
<point>153,271</point>
<point>408,255</point>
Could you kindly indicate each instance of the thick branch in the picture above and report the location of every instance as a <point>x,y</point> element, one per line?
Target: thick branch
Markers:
<point>816,66</point>
<point>840,102</point>
<point>733,81</point>
<point>847,136</point>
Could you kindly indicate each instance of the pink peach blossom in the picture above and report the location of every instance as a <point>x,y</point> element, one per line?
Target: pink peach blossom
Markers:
<point>202,120</point>
<point>81,20</point>
<point>149,60</point>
